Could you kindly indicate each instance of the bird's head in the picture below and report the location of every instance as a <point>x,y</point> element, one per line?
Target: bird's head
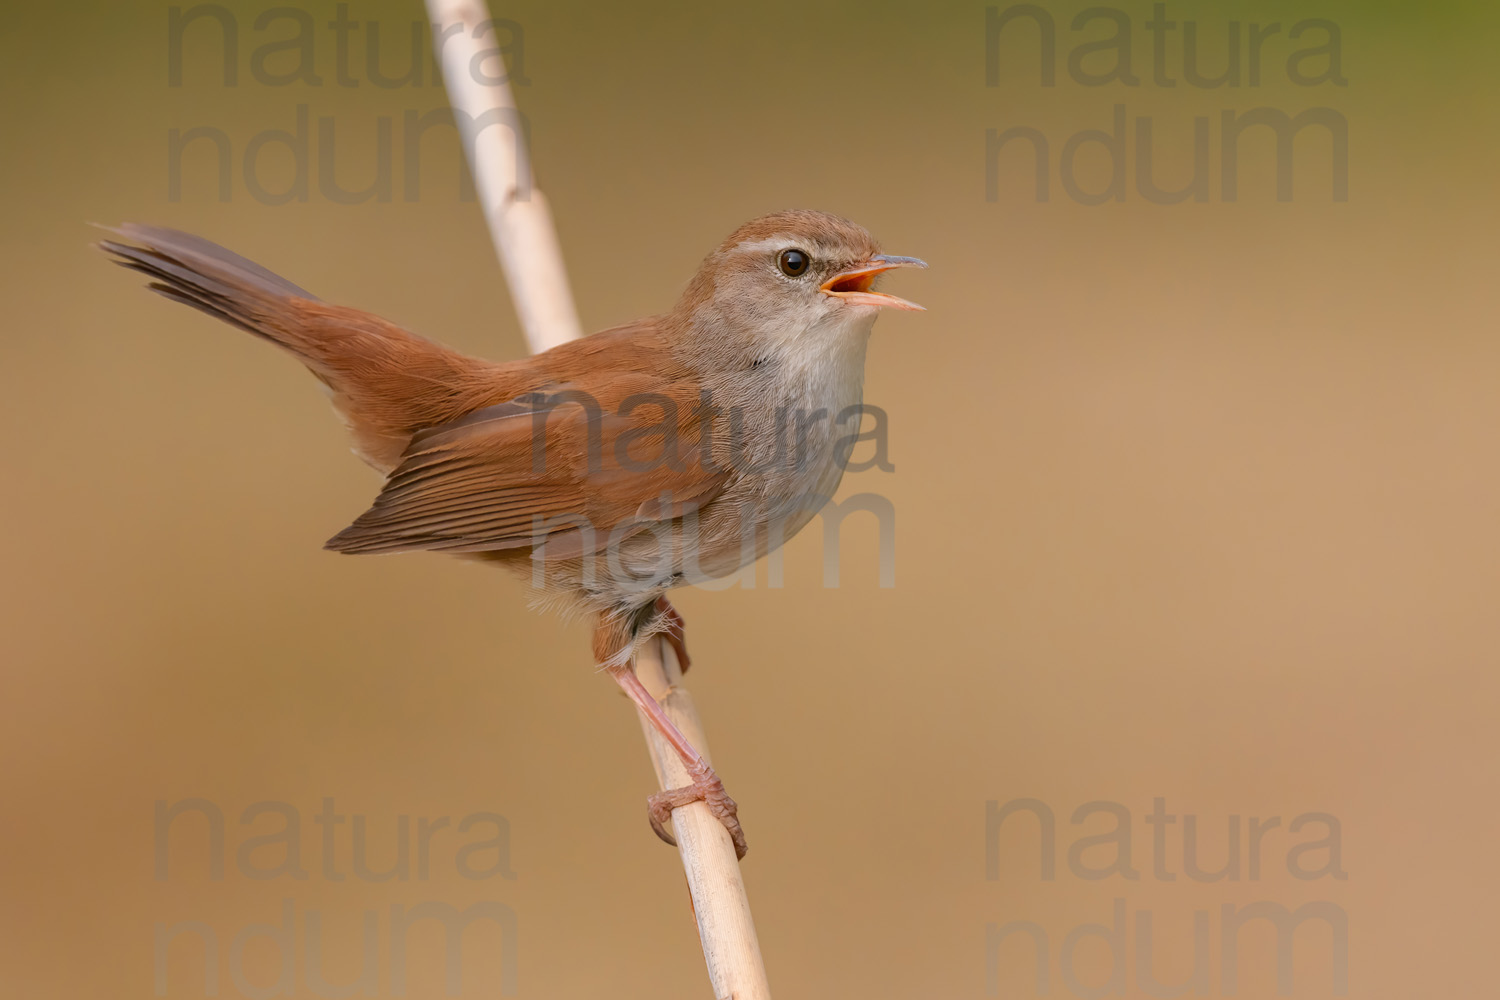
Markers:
<point>792,280</point>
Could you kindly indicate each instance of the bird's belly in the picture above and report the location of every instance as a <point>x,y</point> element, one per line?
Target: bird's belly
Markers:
<point>755,516</point>
<point>771,501</point>
<point>775,492</point>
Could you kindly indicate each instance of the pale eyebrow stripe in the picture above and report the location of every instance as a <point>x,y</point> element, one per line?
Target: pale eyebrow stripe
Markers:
<point>781,240</point>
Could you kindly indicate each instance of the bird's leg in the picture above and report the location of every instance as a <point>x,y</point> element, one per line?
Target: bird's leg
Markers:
<point>676,631</point>
<point>706,786</point>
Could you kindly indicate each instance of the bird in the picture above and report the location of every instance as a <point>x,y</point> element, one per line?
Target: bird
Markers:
<point>611,469</point>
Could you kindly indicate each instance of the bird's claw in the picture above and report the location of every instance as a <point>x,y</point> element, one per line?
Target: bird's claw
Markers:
<point>708,789</point>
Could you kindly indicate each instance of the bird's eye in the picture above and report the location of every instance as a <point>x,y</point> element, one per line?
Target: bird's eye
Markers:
<point>793,263</point>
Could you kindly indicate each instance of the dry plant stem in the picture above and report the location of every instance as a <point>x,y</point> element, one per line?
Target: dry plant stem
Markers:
<point>519,220</point>
<point>526,242</point>
<point>722,909</point>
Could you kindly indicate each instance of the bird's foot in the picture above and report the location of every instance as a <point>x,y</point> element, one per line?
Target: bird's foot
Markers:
<point>706,788</point>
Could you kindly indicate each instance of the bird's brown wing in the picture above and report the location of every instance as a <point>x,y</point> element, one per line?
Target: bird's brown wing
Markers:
<point>570,469</point>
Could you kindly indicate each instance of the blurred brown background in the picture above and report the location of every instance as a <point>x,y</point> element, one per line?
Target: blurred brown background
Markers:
<point>1194,502</point>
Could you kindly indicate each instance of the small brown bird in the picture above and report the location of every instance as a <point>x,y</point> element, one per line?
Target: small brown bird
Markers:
<point>667,451</point>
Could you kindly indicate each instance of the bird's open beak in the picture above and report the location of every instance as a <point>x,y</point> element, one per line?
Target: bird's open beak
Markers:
<point>853,286</point>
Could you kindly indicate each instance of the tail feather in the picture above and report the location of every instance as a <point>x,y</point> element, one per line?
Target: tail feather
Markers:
<point>385,381</point>
<point>204,275</point>
<point>213,309</point>
<point>157,243</point>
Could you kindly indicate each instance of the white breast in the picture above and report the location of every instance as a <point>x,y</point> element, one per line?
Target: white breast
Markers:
<point>822,379</point>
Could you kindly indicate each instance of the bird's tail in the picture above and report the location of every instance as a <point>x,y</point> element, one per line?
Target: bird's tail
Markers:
<point>385,381</point>
<point>204,275</point>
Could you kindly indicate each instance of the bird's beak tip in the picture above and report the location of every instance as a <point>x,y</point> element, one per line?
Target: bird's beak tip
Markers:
<point>893,261</point>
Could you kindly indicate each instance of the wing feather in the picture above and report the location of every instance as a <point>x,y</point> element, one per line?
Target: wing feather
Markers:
<point>520,474</point>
